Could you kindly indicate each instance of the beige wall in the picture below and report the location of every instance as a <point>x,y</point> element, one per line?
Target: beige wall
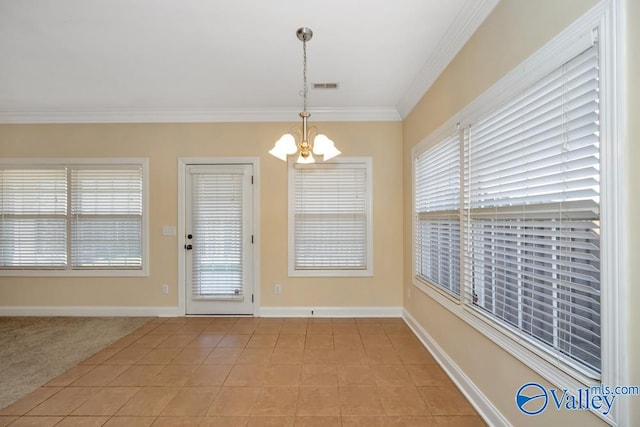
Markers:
<point>512,33</point>
<point>163,144</point>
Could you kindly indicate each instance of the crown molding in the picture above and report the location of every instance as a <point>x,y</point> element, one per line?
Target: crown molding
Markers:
<point>471,15</point>
<point>152,115</point>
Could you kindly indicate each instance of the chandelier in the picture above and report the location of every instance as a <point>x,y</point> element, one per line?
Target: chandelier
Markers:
<point>299,139</point>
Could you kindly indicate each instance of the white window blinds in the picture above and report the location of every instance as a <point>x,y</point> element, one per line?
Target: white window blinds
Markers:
<point>71,216</point>
<point>331,216</point>
<point>106,217</point>
<point>437,215</point>
<point>532,223</point>
<point>218,217</point>
<point>33,217</point>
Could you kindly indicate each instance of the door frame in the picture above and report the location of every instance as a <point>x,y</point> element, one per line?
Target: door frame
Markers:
<point>183,162</point>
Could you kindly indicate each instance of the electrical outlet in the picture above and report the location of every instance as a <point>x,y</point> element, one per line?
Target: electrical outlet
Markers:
<point>165,289</point>
<point>277,289</point>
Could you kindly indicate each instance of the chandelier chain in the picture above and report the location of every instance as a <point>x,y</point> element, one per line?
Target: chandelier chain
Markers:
<point>304,74</point>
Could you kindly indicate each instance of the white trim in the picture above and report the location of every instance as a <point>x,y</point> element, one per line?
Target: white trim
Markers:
<point>331,311</point>
<point>182,165</point>
<point>205,115</point>
<point>89,311</point>
<point>471,15</point>
<point>368,272</point>
<point>146,237</point>
<point>474,395</point>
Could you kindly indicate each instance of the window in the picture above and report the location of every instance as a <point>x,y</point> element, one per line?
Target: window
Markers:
<point>61,217</point>
<point>532,191</point>
<point>330,218</point>
<point>528,160</point>
<point>437,211</point>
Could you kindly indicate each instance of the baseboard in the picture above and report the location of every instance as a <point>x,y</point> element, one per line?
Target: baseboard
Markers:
<point>330,311</point>
<point>485,408</point>
<point>88,311</point>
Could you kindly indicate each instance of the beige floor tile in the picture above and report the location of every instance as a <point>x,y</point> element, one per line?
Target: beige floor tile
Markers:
<point>428,375</point>
<point>347,341</point>
<point>148,402</point>
<point>177,341</point>
<point>243,329</point>
<point>382,356</point>
<point>136,375</point>
<point>167,329</point>
<point>276,401</point>
<point>30,401</point>
<point>363,421</point>
<point>148,341</point>
<point>376,341</point>
<point>319,329</point>
<point>206,340</point>
<point>287,356</point>
<point>5,420</point>
<point>255,356</point>
<point>416,357</point>
<point>190,402</point>
<point>218,328</point>
<point>405,400</point>
<point>355,375</point>
<point>262,341</point>
<point>234,341</point>
<point>101,375</point>
<point>223,356</point>
<point>130,421</point>
<point>293,328</point>
<point>446,401</point>
<point>35,421</point>
<point>224,422</point>
<point>83,421</point>
<point>345,329</point>
<point>64,401</point>
<point>319,355</point>
<point>318,400</point>
<point>234,401</point>
<point>100,356</point>
<point>107,401</point>
<point>283,375</point>
<point>290,341</point>
<point>360,400</point>
<point>246,375</point>
<point>268,329</point>
<point>209,375</point>
<point>125,341</point>
<point>159,356</point>
<point>172,375</point>
<point>370,328</point>
<point>327,421</point>
<point>270,421</point>
<point>459,421</point>
<point>70,376</point>
<point>351,356</point>
<point>391,375</point>
<point>127,356</point>
<point>191,356</point>
<point>319,341</point>
<point>314,374</point>
<point>194,329</point>
<point>176,422</point>
<point>410,421</point>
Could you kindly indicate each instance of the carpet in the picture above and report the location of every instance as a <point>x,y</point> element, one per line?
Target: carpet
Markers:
<point>34,350</point>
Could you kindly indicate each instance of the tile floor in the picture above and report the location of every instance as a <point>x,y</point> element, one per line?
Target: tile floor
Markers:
<point>253,372</point>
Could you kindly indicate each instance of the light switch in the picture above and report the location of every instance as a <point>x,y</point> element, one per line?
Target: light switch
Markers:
<point>168,230</point>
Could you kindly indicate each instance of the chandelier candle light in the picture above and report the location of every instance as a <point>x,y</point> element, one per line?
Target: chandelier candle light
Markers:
<point>300,139</point>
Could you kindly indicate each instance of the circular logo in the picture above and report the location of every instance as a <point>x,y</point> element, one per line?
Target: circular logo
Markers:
<point>532,398</point>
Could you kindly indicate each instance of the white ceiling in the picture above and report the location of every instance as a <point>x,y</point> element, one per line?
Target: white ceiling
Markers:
<point>223,60</point>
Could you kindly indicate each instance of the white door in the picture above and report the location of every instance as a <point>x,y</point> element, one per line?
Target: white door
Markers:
<point>218,240</point>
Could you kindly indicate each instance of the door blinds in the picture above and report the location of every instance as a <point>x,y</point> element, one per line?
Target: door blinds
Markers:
<point>217,223</point>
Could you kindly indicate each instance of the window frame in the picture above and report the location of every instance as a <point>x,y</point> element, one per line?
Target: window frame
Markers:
<point>69,270</point>
<point>605,17</point>
<point>368,271</point>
